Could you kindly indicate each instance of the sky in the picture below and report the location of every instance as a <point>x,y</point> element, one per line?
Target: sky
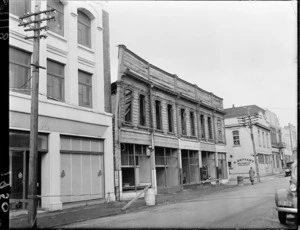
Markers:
<point>242,51</point>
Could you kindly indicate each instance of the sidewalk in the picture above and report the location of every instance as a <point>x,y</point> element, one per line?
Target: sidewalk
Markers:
<point>78,214</point>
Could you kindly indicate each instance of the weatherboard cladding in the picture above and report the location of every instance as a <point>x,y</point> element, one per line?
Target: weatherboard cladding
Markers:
<point>161,78</point>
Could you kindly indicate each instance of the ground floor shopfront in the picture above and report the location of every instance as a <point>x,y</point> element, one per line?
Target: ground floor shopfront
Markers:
<point>74,164</point>
<point>165,168</point>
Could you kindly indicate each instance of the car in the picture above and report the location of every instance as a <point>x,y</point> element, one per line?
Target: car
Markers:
<point>286,199</point>
<point>287,169</point>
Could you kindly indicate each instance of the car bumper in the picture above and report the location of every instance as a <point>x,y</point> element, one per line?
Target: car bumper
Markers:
<point>285,209</point>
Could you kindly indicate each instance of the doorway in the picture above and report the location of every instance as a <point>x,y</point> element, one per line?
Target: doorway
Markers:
<point>19,168</point>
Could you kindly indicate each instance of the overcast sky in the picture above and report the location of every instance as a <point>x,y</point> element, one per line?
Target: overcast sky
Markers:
<point>244,52</point>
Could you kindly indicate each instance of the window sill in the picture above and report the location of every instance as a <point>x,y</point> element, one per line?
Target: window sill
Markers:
<point>86,48</point>
<point>143,127</point>
<point>127,124</point>
<point>53,34</point>
<point>171,133</point>
<point>236,146</point>
<point>159,131</point>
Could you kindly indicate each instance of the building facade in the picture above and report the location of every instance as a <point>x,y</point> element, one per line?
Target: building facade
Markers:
<point>169,133</point>
<point>277,144</point>
<point>75,149</point>
<point>239,143</point>
<point>289,134</point>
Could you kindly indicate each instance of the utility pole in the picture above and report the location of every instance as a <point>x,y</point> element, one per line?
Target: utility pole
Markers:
<point>36,28</point>
<point>248,121</point>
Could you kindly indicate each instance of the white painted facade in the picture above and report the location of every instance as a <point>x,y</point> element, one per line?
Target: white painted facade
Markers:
<point>66,117</point>
<point>289,136</point>
<point>241,156</point>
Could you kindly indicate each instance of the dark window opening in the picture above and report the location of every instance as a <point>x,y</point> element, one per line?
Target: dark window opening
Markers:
<point>170,118</point>
<point>183,121</point>
<point>210,136</point>
<point>128,102</point>
<point>158,114</point>
<point>192,124</point>
<point>142,110</point>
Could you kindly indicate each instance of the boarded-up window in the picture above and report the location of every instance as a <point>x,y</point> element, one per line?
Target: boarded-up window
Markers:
<point>142,110</point>
<point>128,107</point>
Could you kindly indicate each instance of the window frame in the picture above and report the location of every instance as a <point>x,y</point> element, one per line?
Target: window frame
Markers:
<point>263,137</point>
<point>13,8</point>
<point>183,121</point>
<point>27,80</point>
<point>87,26</point>
<point>202,124</point>
<point>130,108</point>
<point>234,135</point>
<point>54,75</point>
<point>142,110</point>
<point>192,123</point>
<point>84,84</point>
<point>158,115</point>
<point>259,140</point>
<point>219,127</point>
<point>210,128</point>
<point>60,11</point>
<point>170,118</point>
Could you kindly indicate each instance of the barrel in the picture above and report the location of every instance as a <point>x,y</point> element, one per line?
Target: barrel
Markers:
<point>240,180</point>
<point>150,197</point>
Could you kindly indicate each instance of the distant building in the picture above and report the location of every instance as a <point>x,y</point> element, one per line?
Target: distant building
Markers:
<point>169,133</point>
<point>239,144</point>
<point>75,151</point>
<point>289,135</point>
<point>278,145</point>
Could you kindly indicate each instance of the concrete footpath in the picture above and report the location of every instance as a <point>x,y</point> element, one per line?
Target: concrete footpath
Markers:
<point>82,213</point>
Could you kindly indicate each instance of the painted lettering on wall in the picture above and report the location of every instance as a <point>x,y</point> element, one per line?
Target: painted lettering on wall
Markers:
<point>244,162</point>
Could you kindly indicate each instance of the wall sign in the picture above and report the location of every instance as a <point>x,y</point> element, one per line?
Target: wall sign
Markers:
<point>244,162</point>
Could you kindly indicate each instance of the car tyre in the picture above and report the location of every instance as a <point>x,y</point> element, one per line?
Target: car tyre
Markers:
<point>282,217</point>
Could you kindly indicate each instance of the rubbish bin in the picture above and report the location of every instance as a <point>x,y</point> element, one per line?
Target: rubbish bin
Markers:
<point>150,197</point>
<point>240,180</point>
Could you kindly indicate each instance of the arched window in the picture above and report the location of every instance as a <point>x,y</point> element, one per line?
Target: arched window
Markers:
<point>56,26</point>
<point>84,29</point>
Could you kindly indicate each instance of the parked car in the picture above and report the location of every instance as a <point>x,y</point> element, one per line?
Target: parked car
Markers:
<point>286,199</point>
<point>288,167</point>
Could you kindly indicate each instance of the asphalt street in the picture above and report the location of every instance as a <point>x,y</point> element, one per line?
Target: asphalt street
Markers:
<point>248,206</point>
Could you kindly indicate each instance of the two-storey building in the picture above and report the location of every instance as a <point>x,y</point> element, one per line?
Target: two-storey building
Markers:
<point>169,133</point>
<point>75,150</point>
<point>239,143</point>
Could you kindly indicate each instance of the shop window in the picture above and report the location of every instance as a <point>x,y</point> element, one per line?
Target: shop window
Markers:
<point>142,110</point>
<point>236,138</point>
<point>85,89</point>
<point>128,106</point>
<point>19,8</point>
<point>202,126</point>
<point>55,80</point>
<point>19,70</point>
<point>192,120</point>
<point>158,114</point>
<point>170,118</point>
<point>84,29</point>
<point>183,121</point>
<point>209,123</point>
<point>56,26</point>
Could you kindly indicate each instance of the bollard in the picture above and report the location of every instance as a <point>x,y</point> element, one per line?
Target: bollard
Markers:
<point>240,180</point>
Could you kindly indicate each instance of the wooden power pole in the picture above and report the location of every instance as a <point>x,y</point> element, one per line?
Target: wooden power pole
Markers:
<point>33,156</point>
<point>248,121</point>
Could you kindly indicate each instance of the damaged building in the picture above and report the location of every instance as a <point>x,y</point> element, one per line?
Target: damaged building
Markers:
<point>168,133</point>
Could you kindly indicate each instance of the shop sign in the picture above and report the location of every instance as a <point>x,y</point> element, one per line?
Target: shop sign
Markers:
<point>244,162</point>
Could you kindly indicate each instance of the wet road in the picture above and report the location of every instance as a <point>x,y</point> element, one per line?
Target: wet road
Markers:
<point>240,207</point>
